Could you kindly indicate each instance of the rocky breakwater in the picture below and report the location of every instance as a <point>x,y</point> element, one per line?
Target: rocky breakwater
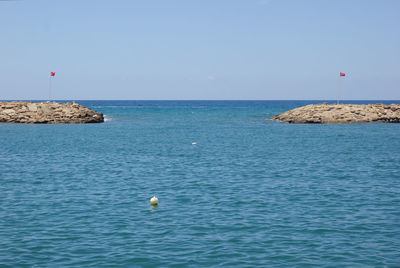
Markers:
<point>341,113</point>
<point>47,113</point>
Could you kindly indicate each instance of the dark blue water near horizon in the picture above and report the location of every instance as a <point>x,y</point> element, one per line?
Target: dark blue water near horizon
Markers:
<point>250,193</point>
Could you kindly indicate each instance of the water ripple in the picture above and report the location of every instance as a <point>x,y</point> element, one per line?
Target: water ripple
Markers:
<point>250,193</point>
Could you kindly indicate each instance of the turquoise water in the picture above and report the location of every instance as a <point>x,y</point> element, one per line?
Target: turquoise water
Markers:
<point>251,193</point>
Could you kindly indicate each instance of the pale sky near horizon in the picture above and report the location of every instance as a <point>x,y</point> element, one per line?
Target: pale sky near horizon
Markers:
<point>204,49</point>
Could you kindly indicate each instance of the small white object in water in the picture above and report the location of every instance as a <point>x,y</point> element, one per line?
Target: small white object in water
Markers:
<point>194,143</point>
<point>154,201</point>
<point>106,118</point>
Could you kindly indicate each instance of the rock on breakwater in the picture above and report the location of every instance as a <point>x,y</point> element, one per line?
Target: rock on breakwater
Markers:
<point>47,113</point>
<point>341,113</point>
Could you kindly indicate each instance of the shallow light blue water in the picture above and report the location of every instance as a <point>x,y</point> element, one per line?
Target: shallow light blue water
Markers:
<point>251,193</point>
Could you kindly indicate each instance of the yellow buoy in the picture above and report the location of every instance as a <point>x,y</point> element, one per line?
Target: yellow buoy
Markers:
<point>154,201</point>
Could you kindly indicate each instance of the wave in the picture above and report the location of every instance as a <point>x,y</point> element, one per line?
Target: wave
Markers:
<point>107,118</point>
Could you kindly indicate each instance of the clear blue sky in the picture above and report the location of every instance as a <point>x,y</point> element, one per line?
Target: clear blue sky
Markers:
<point>204,49</point>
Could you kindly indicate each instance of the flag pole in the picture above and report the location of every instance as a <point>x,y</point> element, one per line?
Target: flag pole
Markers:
<point>51,75</point>
<point>340,83</point>
<point>338,91</point>
<point>49,88</point>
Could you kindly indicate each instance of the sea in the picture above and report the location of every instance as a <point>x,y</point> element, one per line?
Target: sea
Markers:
<point>234,188</point>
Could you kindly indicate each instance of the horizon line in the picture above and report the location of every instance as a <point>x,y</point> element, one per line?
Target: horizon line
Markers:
<point>199,100</point>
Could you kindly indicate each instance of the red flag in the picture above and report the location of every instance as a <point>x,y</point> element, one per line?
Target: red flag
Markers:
<point>53,73</point>
<point>342,74</point>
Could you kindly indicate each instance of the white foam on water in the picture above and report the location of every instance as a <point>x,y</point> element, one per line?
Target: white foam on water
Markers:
<point>107,119</point>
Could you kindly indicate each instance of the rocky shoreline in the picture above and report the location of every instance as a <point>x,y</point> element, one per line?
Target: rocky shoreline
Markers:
<point>341,113</point>
<point>47,113</point>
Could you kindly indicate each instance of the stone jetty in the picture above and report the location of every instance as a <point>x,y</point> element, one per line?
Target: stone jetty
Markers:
<point>341,113</point>
<point>47,113</point>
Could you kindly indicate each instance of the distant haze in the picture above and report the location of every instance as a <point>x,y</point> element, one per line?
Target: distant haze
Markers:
<point>208,49</point>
